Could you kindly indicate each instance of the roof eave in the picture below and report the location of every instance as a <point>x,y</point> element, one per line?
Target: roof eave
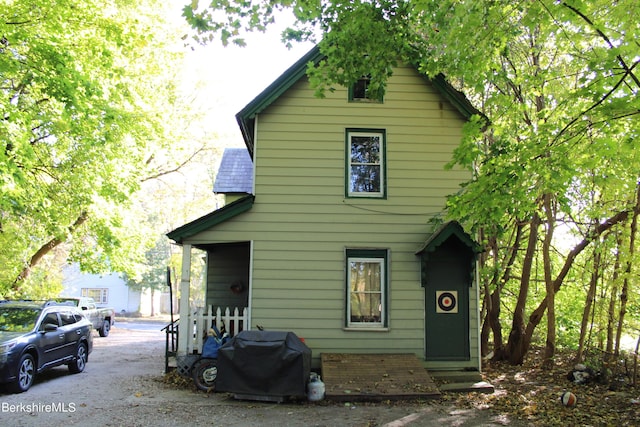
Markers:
<point>448,229</point>
<point>459,101</point>
<point>246,116</point>
<point>180,234</point>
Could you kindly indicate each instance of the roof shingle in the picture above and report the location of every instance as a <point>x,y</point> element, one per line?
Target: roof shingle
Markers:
<point>235,174</point>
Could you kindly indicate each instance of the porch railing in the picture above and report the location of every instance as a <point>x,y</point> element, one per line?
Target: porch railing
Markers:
<point>171,343</point>
<point>234,321</point>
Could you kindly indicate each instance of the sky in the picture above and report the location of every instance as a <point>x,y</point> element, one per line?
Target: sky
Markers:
<point>225,79</point>
<point>219,81</point>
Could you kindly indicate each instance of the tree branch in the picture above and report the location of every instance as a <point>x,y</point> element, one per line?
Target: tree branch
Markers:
<point>176,169</point>
<point>600,101</point>
<point>597,231</point>
<point>44,250</point>
<point>606,39</point>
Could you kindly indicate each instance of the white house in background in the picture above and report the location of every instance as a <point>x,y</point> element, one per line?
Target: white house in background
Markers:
<point>110,290</point>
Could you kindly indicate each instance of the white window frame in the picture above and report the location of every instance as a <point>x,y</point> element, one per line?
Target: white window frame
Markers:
<point>103,294</point>
<point>379,257</point>
<point>381,164</point>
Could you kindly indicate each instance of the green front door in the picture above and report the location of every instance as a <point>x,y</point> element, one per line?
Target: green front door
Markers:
<point>447,278</point>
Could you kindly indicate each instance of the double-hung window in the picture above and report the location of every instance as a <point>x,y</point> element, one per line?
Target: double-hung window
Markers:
<point>366,168</point>
<point>99,295</point>
<point>366,284</point>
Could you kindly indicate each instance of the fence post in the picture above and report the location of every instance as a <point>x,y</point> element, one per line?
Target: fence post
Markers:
<point>195,321</point>
<point>236,320</point>
<point>202,321</point>
<point>245,317</point>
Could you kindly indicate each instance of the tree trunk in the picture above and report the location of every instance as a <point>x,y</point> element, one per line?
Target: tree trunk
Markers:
<point>485,331</point>
<point>550,347</point>
<point>153,311</point>
<point>491,323</point>
<point>496,327</point>
<point>591,295</point>
<point>44,250</point>
<point>634,380</point>
<point>598,230</point>
<point>499,350</point>
<point>517,346</point>
<point>625,284</point>
<point>486,301</point>
<point>608,353</point>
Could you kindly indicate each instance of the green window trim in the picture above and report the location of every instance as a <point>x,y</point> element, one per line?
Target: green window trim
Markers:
<point>365,163</point>
<point>359,92</point>
<point>367,287</point>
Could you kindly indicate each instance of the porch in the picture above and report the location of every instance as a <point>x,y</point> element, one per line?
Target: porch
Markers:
<point>225,319</point>
<point>375,377</point>
<point>226,298</point>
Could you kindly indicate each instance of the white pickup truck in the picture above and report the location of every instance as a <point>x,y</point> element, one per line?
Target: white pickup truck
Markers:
<point>101,318</point>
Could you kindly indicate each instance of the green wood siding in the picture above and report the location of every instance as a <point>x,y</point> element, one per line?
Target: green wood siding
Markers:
<point>227,264</point>
<point>301,223</point>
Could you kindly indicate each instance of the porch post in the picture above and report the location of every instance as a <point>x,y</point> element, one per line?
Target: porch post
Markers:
<point>184,332</point>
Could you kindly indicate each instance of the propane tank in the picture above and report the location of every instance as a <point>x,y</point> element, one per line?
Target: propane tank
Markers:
<point>315,388</point>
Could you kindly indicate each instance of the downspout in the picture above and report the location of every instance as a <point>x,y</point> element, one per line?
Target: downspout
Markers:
<point>253,153</point>
<point>251,243</point>
<point>477,279</point>
<point>250,297</point>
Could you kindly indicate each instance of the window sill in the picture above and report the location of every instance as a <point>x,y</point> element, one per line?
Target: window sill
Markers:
<point>365,196</point>
<point>365,329</point>
<point>365,101</point>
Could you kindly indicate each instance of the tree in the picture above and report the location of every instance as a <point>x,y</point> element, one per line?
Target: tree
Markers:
<point>163,203</point>
<point>154,276</point>
<point>558,81</point>
<point>83,116</point>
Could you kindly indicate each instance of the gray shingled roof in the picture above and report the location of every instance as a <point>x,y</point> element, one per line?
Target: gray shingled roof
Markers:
<point>235,174</point>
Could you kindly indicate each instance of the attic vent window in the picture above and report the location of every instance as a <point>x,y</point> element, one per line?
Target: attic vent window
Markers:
<point>360,91</point>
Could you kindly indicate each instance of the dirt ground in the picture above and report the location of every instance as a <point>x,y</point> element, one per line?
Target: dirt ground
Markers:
<point>124,385</point>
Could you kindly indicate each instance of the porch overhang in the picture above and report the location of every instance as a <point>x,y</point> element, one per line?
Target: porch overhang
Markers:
<point>442,234</point>
<point>445,235</point>
<point>180,234</point>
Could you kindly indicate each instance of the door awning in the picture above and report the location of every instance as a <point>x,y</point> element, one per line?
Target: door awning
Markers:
<point>451,229</point>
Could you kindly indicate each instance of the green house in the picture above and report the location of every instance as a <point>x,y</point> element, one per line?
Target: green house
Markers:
<point>335,240</point>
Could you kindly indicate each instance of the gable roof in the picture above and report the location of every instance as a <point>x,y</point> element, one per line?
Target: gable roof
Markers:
<point>211,219</point>
<point>235,174</point>
<point>246,116</point>
<point>443,233</point>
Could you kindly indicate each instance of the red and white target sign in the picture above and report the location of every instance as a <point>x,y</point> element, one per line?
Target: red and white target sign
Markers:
<point>446,301</point>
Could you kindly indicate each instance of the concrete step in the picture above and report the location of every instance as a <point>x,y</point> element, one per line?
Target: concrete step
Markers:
<point>468,387</point>
<point>456,376</point>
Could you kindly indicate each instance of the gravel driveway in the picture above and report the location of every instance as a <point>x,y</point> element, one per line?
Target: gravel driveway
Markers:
<point>122,386</point>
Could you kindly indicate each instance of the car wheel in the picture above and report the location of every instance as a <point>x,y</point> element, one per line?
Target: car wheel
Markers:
<point>80,361</point>
<point>205,372</point>
<point>104,329</point>
<point>26,374</point>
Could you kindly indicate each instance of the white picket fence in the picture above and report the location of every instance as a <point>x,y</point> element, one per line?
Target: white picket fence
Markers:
<point>234,321</point>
